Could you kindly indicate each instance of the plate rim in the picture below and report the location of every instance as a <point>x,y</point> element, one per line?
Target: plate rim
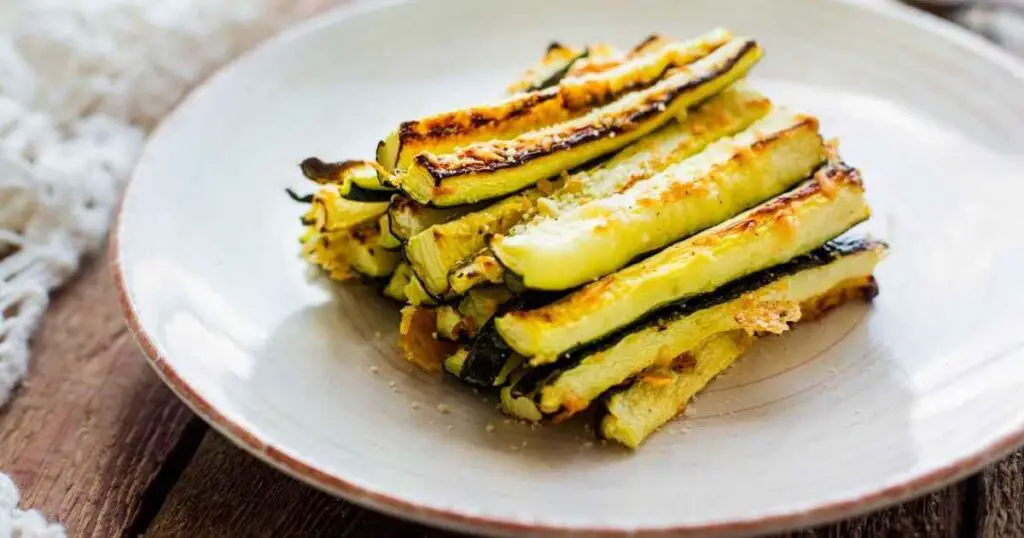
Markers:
<point>278,457</point>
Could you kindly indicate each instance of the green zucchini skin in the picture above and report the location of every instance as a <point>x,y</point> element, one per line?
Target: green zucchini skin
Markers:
<point>359,194</point>
<point>342,174</point>
<point>486,357</point>
<point>489,353</point>
<point>556,77</point>
<point>302,199</point>
<point>824,255</point>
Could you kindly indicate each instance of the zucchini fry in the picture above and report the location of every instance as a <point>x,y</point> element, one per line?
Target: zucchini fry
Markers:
<point>356,180</point>
<point>408,218</point>
<point>345,238</point>
<point>599,237</point>
<point>661,392</point>
<point>433,252</point>
<point>763,302</point>
<point>784,227</point>
<point>725,114</point>
<point>442,133</point>
<point>485,170</point>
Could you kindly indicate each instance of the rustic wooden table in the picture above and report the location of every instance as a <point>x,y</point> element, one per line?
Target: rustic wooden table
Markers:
<point>95,440</point>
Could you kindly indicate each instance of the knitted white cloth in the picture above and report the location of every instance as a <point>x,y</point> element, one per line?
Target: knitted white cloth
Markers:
<point>80,85</point>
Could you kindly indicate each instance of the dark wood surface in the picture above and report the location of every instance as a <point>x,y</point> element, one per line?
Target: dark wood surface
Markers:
<point>97,442</point>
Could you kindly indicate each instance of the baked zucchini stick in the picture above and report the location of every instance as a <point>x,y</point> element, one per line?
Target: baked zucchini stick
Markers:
<point>485,170</point>
<point>433,252</point>
<point>358,250</point>
<point>442,133</point>
<point>345,238</point>
<point>355,180</point>
<point>782,228</point>
<point>463,322</point>
<point>601,236</point>
<point>763,302</point>
<point>660,393</point>
<point>723,115</point>
<point>408,217</point>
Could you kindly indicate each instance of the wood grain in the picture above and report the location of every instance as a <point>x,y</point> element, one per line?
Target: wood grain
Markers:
<point>227,492</point>
<point>1000,499</point>
<point>936,515</point>
<point>90,428</point>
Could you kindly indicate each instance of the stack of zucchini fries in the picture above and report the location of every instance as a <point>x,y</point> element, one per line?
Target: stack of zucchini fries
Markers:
<point>612,234</point>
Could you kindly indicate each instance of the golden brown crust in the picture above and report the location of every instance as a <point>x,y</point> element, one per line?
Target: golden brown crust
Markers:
<point>830,176</point>
<point>450,125</point>
<point>863,288</point>
<point>418,339</point>
<point>775,210</point>
<point>496,155</point>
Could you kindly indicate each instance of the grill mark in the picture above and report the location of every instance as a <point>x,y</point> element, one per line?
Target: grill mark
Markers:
<point>841,173</point>
<point>440,171</point>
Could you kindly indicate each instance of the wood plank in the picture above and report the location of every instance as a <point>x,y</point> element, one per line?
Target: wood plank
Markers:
<point>88,431</point>
<point>1000,498</point>
<point>939,514</point>
<point>225,491</point>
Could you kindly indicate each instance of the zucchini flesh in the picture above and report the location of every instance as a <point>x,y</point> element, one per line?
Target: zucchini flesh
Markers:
<point>723,115</point>
<point>782,228</point>
<point>599,237</point>
<point>450,324</point>
<point>485,170</point>
<point>367,256</point>
<point>453,364</point>
<point>476,270</point>
<point>660,393</point>
<point>480,305</point>
<point>408,218</point>
<point>763,302</point>
<point>442,133</point>
<point>463,322</point>
<point>347,253</point>
<point>433,252</point>
<point>649,402</point>
<point>400,278</point>
<point>416,294</point>
<point>345,238</point>
<point>331,212</point>
<point>387,239</point>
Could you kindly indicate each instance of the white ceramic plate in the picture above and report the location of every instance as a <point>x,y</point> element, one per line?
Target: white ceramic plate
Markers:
<point>868,407</point>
